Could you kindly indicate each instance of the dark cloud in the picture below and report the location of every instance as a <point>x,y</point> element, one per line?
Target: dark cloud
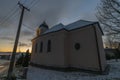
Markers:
<point>30,39</point>
<point>26,33</point>
<point>52,11</point>
<point>24,44</point>
<point>48,10</point>
<point>7,38</point>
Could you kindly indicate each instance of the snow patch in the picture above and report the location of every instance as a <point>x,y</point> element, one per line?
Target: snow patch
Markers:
<point>42,74</point>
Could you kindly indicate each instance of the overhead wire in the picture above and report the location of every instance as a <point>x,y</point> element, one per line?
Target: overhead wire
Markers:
<point>24,1</point>
<point>33,3</point>
<point>12,12</point>
<point>30,28</point>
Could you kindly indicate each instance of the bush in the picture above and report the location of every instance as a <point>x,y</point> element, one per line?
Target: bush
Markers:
<point>108,57</point>
<point>26,59</point>
<point>20,60</point>
<point>23,60</point>
<point>115,56</point>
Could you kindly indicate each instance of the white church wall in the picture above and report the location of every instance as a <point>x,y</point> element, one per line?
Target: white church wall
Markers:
<point>86,56</point>
<point>101,49</point>
<point>56,56</point>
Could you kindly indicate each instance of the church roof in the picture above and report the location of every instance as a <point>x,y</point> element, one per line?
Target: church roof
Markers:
<point>72,26</point>
<point>55,28</point>
<point>78,24</point>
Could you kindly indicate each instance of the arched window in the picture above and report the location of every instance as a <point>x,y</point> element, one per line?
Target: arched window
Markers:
<point>41,47</point>
<point>49,46</point>
<point>36,48</point>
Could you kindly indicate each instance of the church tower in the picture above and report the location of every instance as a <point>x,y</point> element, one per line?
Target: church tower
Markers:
<point>42,28</point>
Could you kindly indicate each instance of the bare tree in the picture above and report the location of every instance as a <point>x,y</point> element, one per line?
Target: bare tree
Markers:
<point>109,15</point>
<point>111,40</point>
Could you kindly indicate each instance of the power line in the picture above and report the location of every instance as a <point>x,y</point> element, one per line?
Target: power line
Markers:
<point>14,11</point>
<point>33,3</point>
<point>9,14</point>
<point>13,20</point>
<point>24,1</point>
<point>28,27</point>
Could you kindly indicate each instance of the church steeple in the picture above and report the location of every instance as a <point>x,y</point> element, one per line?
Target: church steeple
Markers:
<point>42,28</point>
<point>44,24</point>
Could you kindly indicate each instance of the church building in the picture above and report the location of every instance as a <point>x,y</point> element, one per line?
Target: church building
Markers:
<point>74,46</point>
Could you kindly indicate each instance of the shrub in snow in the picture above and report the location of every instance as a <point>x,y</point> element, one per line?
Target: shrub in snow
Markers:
<point>20,60</point>
<point>26,59</point>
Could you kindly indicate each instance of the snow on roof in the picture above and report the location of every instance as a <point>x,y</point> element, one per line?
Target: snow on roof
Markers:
<point>74,25</point>
<point>55,28</point>
<point>78,24</point>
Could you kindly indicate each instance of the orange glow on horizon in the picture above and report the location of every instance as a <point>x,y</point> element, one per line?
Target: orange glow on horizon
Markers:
<point>7,47</point>
<point>10,49</point>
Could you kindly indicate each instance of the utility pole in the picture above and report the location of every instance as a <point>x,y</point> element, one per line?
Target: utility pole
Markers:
<point>12,61</point>
<point>19,46</point>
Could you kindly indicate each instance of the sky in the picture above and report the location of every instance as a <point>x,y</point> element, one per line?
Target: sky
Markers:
<point>51,11</point>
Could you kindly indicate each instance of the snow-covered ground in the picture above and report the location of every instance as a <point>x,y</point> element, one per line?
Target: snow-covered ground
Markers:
<point>3,61</point>
<point>42,74</point>
<point>3,67</point>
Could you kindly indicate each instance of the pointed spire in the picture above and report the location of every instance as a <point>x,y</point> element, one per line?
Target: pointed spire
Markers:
<point>44,24</point>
